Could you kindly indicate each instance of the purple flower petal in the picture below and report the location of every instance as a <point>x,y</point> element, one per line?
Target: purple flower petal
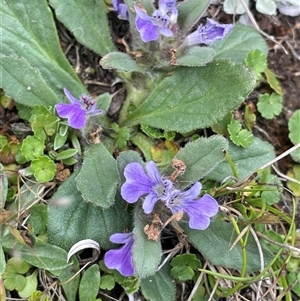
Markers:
<point>121,8</point>
<point>78,110</point>
<point>199,211</point>
<point>150,27</point>
<point>121,259</point>
<point>207,34</point>
<point>137,183</point>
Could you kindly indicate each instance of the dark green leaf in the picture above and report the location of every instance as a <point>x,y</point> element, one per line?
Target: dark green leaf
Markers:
<point>98,177</point>
<point>200,157</point>
<point>90,283</point>
<point>246,160</point>
<point>189,12</point>
<point>194,98</point>
<point>238,43</point>
<point>221,235</point>
<point>71,219</point>
<point>146,252</point>
<point>33,67</point>
<point>160,286</point>
<point>87,20</point>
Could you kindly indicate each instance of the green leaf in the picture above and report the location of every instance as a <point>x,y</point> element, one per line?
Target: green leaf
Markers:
<point>294,279</point>
<point>256,61</point>
<point>59,139</point>
<point>146,253</point>
<point>196,56</point>
<point>44,125</point>
<point>32,148</point>
<point>272,192</point>
<point>194,98</point>
<point>239,136</point>
<point>246,160</point>
<point>107,282</point>
<point>43,168</point>
<point>221,235</point>
<point>38,218</point>
<point>71,219</point>
<point>2,261</point>
<point>69,281</point>
<point>200,157</point>
<point>33,68</point>
<point>184,266</point>
<point>66,154</point>
<point>87,20</point>
<point>31,285</point>
<point>98,177</point>
<point>3,187</point>
<point>294,129</point>
<point>31,85</point>
<point>235,7</point>
<point>238,43</point>
<point>44,256</point>
<point>160,286</point>
<point>267,7</point>
<point>89,284</point>
<point>295,174</point>
<point>269,106</point>
<point>273,81</point>
<point>121,62</point>
<point>189,12</point>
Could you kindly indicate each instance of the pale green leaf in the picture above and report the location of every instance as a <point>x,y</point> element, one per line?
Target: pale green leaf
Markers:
<point>294,127</point>
<point>269,106</point>
<point>120,61</point>
<point>88,22</point>
<point>33,67</point>
<point>235,6</point>
<point>195,97</point>
<point>267,7</point>
<point>3,188</point>
<point>239,136</point>
<point>98,177</point>
<point>196,56</point>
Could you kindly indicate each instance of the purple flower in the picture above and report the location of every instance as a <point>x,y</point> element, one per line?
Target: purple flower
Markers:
<point>139,184</point>
<point>168,8</point>
<point>198,210</point>
<point>151,27</point>
<point>207,34</point>
<point>121,259</point>
<point>78,110</point>
<point>121,8</point>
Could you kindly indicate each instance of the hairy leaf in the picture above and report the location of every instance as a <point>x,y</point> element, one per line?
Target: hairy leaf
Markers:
<point>33,67</point>
<point>194,98</point>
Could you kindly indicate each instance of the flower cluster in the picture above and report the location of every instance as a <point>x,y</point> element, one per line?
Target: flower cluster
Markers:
<point>78,110</point>
<point>151,187</point>
<point>162,22</point>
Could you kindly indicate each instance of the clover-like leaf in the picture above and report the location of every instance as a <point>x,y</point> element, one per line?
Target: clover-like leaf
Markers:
<point>239,136</point>
<point>32,148</point>
<point>184,266</point>
<point>256,61</point>
<point>38,218</point>
<point>43,168</point>
<point>44,125</point>
<point>294,128</point>
<point>269,106</point>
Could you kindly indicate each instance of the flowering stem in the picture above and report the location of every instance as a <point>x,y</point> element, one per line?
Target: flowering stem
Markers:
<point>138,87</point>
